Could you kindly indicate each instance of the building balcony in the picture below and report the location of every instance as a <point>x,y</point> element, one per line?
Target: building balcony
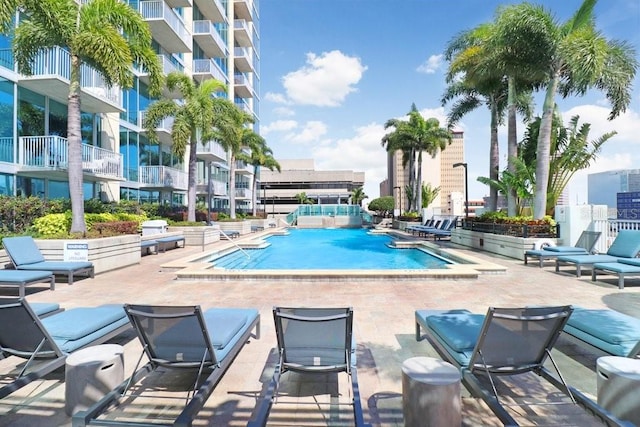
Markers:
<point>162,177</point>
<point>218,188</point>
<point>242,9</point>
<point>212,151</point>
<point>212,9</point>
<point>243,169</point>
<point>179,3</point>
<point>167,65</point>
<point>6,149</point>
<point>244,193</point>
<point>242,59</point>
<point>205,69</point>
<point>242,32</point>
<point>50,155</point>
<point>167,26</point>
<point>163,130</point>
<point>51,75</point>
<point>209,40</point>
<point>243,87</point>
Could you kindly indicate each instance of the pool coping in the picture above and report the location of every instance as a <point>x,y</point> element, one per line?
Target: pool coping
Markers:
<point>192,268</point>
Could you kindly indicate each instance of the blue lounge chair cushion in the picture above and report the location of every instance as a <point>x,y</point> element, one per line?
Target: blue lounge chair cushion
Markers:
<point>23,250</point>
<point>611,331</point>
<point>544,253</point>
<point>41,308</point>
<point>79,322</point>
<point>587,259</point>
<point>19,276</point>
<point>225,324</point>
<point>626,244</point>
<point>459,331</point>
<point>632,261</point>
<point>565,249</point>
<point>56,266</point>
<point>617,267</point>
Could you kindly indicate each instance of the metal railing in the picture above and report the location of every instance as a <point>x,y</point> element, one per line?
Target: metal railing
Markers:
<point>152,9</point>
<point>168,66</point>
<point>163,176</point>
<point>165,124</point>
<point>209,66</point>
<point>52,152</point>
<point>214,148</point>
<point>207,27</point>
<point>609,229</point>
<point>6,149</point>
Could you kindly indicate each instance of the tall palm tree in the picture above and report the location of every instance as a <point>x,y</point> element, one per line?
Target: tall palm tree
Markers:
<point>261,156</point>
<point>357,196</point>
<point>575,57</point>
<point>107,35</point>
<point>396,140</point>
<point>571,151</point>
<point>231,131</point>
<point>193,122</point>
<point>472,84</point>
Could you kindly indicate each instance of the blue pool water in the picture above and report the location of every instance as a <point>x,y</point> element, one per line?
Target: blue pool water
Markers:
<point>329,249</point>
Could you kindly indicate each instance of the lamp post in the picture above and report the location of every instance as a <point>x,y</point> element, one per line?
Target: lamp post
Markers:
<point>399,199</point>
<point>466,189</point>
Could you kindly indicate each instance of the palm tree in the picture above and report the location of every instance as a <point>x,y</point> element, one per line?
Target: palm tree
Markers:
<point>521,182</point>
<point>357,196</point>
<point>473,84</point>
<point>261,156</point>
<point>429,194</point>
<point>574,57</point>
<point>108,35</point>
<point>233,134</point>
<point>193,122</point>
<point>398,141</point>
<point>303,199</point>
<point>571,151</point>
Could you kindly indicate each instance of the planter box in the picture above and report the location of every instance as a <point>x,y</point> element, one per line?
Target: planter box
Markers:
<point>107,253</point>
<point>509,246</point>
<point>197,236</point>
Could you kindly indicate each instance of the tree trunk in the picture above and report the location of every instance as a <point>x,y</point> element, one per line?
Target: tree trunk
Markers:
<point>191,179</point>
<point>74,139</point>
<point>544,151</point>
<point>254,194</point>
<point>232,185</point>
<point>494,159</point>
<point>512,145</point>
<point>419,184</point>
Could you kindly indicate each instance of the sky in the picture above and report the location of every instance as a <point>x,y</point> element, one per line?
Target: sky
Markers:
<point>334,71</point>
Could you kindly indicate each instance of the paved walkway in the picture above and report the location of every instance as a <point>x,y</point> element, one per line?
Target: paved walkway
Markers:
<point>384,329</point>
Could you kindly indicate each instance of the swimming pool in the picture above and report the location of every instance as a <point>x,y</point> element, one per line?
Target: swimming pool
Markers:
<point>330,249</point>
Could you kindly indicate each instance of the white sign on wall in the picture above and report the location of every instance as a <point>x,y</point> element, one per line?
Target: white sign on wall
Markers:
<point>76,251</point>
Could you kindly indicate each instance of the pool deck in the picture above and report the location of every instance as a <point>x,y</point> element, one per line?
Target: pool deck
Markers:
<point>384,329</point>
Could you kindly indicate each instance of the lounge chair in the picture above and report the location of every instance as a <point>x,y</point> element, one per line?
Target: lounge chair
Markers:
<point>608,331</point>
<point>625,246</point>
<point>23,278</point>
<point>444,232</point>
<point>25,255</point>
<point>505,341</point>
<point>312,341</point>
<point>180,337</point>
<point>584,246</point>
<point>622,268</point>
<point>25,335</point>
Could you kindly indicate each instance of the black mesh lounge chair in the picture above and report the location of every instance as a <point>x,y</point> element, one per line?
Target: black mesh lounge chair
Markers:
<point>505,341</point>
<point>178,337</point>
<point>25,255</point>
<point>26,335</point>
<point>312,341</point>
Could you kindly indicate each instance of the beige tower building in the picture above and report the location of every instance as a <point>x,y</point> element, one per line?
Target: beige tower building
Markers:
<point>437,171</point>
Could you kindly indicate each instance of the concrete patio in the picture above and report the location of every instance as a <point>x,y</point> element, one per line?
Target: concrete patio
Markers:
<point>384,329</point>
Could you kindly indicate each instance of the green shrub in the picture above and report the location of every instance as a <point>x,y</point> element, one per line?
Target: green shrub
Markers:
<point>116,228</point>
<point>53,224</point>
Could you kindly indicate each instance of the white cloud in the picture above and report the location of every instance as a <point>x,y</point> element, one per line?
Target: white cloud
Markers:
<point>312,131</point>
<point>278,126</point>
<point>325,80</point>
<point>278,98</point>
<point>360,153</point>
<point>284,112</point>
<point>431,65</point>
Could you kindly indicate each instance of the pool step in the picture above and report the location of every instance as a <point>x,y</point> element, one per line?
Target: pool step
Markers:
<point>239,260</point>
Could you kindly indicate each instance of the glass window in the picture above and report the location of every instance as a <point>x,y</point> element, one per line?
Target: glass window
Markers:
<point>6,184</point>
<point>30,113</point>
<point>6,54</point>
<point>6,120</point>
<point>29,187</point>
<point>58,190</point>
<point>57,119</point>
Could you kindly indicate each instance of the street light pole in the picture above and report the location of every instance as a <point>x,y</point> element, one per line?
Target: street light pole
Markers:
<point>466,189</point>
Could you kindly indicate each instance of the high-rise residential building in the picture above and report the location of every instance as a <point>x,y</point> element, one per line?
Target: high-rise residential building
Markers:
<point>205,39</point>
<point>437,171</point>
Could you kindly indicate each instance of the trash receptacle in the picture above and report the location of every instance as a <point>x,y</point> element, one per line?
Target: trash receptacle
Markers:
<point>90,374</point>
<point>156,226</point>
<point>619,387</point>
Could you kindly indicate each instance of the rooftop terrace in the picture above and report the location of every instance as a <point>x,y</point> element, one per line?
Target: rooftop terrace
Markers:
<point>384,329</point>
